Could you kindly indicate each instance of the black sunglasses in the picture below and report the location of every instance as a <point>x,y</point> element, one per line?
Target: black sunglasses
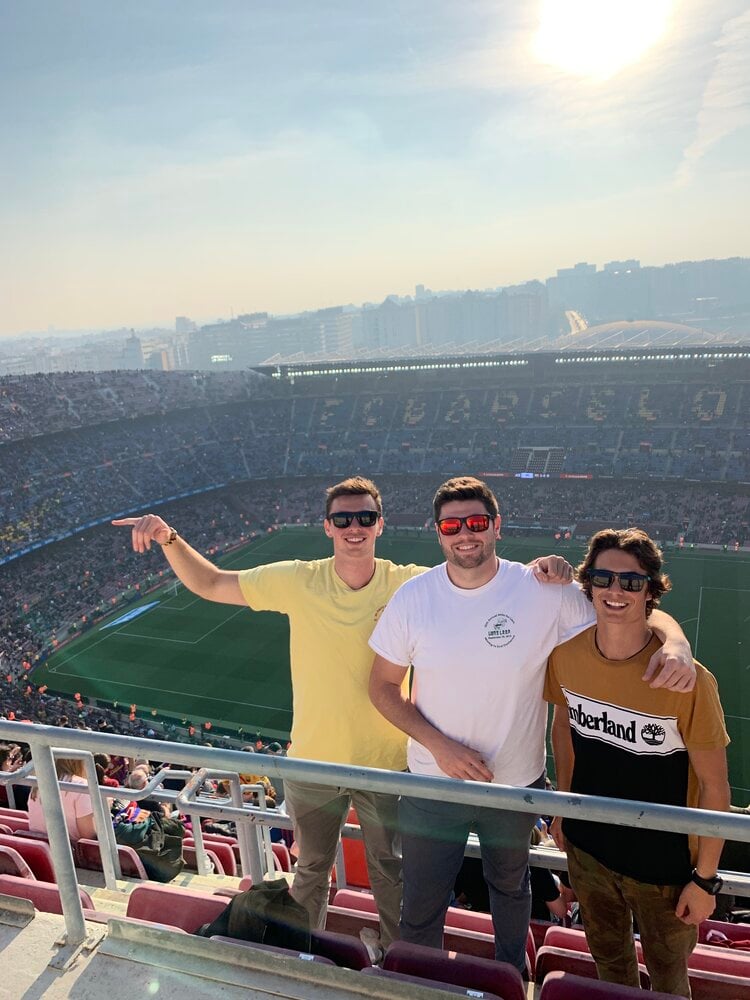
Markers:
<point>633,582</point>
<point>474,522</point>
<point>343,518</point>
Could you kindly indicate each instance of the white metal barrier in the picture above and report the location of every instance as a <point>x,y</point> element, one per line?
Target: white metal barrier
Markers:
<point>255,852</point>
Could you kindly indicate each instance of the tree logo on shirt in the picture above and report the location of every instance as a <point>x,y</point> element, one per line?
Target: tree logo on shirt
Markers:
<point>653,734</point>
<point>499,630</point>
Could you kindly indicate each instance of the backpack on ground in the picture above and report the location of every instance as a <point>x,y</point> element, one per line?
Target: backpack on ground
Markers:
<point>265,914</point>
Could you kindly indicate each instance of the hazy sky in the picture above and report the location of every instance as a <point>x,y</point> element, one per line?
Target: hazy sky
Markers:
<point>164,157</point>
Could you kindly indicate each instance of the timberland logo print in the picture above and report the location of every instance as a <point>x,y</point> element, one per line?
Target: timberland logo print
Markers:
<point>623,728</point>
<point>653,734</point>
<point>499,630</point>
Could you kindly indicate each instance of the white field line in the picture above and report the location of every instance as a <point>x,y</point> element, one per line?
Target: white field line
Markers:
<point>157,690</point>
<point>186,642</point>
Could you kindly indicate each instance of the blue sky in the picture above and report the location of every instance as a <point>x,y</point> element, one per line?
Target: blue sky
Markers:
<point>164,158</point>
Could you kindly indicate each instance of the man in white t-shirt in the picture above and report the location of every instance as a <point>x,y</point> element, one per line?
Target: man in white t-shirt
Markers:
<point>477,631</point>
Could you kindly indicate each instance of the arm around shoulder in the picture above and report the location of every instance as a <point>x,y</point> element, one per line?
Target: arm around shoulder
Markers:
<point>671,667</point>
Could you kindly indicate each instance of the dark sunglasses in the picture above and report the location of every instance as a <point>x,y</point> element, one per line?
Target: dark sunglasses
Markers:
<point>343,518</point>
<point>634,582</point>
<point>474,522</point>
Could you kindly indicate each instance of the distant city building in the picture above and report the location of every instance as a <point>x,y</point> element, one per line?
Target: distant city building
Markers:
<point>132,353</point>
<point>183,324</point>
<point>712,297</point>
<point>622,265</point>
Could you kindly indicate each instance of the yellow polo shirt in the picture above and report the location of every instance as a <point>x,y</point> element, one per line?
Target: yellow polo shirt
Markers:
<point>330,625</point>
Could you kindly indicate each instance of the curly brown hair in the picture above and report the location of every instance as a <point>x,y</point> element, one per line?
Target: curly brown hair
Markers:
<point>636,542</point>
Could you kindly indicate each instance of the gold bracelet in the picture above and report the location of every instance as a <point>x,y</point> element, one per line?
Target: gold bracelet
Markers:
<point>172,536</point>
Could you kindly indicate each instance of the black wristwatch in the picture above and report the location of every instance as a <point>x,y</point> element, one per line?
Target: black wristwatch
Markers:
<point>712,886</point>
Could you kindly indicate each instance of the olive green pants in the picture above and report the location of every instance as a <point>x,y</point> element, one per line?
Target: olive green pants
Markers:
<point>609,902</point>
<point>318,813</point>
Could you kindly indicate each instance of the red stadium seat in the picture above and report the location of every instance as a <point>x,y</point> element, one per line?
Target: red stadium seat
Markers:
<point>5,829</point>
<point>191,858</point>
<point>432,983</point>
<point>353,900</point>
<point>718,986</point>
<point>185,908</point>
<point>219,849</point>
<point>36,854</point>
<point>354,857</point>
<point>578,963</point>
<point>475,923</point>
<point>287,952</point>
<point>11,863</point>
<point>342,949</point>
<point>724,961</point>
<point>88,855</point>
<point>18,813</point>
<point>44,895</point>
<point>15,822</point>
<point>719,929</point>
<point>566,986</point>
<point>703,959</point>
<point>282,857</point>
<point>468,971</point>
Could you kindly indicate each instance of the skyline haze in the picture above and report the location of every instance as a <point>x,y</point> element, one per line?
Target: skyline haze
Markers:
<point>196,160</point>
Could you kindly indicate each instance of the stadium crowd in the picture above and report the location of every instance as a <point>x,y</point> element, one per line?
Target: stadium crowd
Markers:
<point>79,448</point>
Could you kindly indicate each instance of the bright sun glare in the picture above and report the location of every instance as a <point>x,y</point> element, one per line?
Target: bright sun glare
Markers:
<point>598,38</point>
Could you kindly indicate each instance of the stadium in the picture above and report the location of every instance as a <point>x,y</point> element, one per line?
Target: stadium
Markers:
<point>97,638</point>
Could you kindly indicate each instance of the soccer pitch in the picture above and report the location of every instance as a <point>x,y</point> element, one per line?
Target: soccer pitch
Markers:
<point>190,659</point>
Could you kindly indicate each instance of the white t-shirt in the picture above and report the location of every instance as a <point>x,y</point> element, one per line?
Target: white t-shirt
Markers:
<point>479,660</point>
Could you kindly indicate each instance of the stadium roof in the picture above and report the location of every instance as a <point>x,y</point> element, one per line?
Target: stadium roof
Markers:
<point>641,333</point>
<point>607,336</point>
<point>502,361</point>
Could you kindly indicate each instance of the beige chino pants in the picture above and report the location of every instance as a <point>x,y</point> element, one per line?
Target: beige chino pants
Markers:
<point>319,813</point>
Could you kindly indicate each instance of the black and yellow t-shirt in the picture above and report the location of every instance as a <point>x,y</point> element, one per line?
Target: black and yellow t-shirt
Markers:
<point>631,741</point>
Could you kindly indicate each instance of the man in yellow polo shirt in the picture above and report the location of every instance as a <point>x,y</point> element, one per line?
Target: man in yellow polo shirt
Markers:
<point>332,605</point>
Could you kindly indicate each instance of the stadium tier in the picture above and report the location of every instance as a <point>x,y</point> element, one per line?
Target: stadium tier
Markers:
<point>570,442</point>
<point>130,440</point>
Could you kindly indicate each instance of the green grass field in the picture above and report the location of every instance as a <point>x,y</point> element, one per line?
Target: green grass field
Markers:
<point>188,658</point>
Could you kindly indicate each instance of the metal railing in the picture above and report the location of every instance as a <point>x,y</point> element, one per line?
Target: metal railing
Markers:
<point>228,764</point>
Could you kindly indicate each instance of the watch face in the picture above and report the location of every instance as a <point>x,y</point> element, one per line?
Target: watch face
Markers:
<point>711,885</point>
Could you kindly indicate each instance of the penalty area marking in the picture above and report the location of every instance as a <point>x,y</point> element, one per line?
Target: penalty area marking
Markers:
<point>184,642</point>
<point>133,635</point>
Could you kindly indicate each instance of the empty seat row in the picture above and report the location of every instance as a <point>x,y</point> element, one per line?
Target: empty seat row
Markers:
<point>714,974</point>
<point>185,910</point>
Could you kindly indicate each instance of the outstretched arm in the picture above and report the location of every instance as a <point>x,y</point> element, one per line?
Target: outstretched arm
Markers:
<point>454,759</point>
<point>196,573</point>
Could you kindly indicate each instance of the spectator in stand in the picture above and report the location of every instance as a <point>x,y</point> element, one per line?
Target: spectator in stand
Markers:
<point>103,764</point>
<point>613,736</point>
<point>77,807</point>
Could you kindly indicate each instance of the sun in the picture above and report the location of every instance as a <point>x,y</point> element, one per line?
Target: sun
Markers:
<point>598,38</point>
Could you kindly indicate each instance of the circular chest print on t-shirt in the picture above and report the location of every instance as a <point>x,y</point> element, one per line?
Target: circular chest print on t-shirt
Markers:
<point>499,630</point>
